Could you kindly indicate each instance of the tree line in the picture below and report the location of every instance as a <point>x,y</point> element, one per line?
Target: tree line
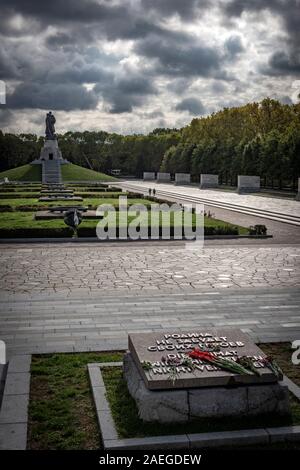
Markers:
<point>255,139</point>
<point>101,151</point>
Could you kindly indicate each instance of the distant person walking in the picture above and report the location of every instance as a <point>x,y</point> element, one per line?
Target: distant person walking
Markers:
<point>149,192</point>
<point>153,191</point>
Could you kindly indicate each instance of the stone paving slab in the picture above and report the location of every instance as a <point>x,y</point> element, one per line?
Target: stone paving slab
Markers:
<point>52,300</point>
<point>17,383</point>
<point>51,270</point>
<point>103,322</point>
<point>13,436</point>
<point>14,408</point>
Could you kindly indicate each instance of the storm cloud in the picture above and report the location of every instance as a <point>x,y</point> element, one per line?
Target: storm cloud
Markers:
<point>192,105</point>
<point>281,62</point>
<point>121,60</point>
<point>44,96</point>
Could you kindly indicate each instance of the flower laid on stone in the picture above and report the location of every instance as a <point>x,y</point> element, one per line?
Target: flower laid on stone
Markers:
<point>174,362</point>
<point>223,363</point>
<point>188,362</point>
<point>147,365</point>
<point>248,363</point>
<point>273,366</point>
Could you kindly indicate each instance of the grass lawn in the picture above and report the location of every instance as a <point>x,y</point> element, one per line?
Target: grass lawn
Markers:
<point>129,424</point>
<point>61,414</point>
<point>87,201</point>
<point>24,219</point>
<point>23,173</point>
<point>73,172</point>
<point>19,208</point>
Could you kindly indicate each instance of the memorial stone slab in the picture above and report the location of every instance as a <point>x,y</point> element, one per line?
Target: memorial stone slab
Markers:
<point>148,176</point>
<point>209,181</point>
<point>248,184</point>
<point>163,177</point>
<point>182,178</point>
<point>159,348</point>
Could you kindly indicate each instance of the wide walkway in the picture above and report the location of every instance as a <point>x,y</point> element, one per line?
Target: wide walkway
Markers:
<point>237,211</point>
<point>61,297</point>
<point>283,206</point>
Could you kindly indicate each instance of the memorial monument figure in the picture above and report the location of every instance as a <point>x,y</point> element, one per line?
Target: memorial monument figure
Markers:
<point>50,156</point>
<point>50,129</point>
<point>50,150</point>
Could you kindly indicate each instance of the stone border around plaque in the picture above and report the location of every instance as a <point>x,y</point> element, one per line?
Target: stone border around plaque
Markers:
<point>111,441</point>
<point>187,404</point>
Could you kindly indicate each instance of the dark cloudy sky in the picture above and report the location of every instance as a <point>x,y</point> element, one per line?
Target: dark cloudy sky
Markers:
<point>132,65</point>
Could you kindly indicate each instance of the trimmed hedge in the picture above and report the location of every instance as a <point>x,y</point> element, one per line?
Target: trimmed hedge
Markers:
<point>96,189</point>
<point>6,209</point>
<point>18,190</point>
<point>109,195</point>
<point>91,232</point>
<point>36,233</point>
<point>20,196</point>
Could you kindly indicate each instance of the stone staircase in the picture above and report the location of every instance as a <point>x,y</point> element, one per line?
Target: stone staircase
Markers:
<point>51,171</point>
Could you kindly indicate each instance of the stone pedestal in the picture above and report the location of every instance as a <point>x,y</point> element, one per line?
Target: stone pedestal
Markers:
<point>248,184</point>
<point>163,177</point>
<point>209,181</point>
<point>298,194</point>
<point>182,178</point>
<point>181,405</point>
<point>50,151</point>
<point>148,176</point>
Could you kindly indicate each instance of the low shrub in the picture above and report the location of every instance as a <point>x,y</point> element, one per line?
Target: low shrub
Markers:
<point>221,230</point>
<point>101,195</point>
<point>6,208</point>
<point>91,232</point>
<point>19,195</point>
<point>18,189</point>
<point>258,230</point>
<point>36,233</point>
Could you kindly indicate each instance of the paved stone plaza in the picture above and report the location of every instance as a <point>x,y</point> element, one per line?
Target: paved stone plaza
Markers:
<point>61,297</point>
<point>89,296</point>
<point>69,270</point>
